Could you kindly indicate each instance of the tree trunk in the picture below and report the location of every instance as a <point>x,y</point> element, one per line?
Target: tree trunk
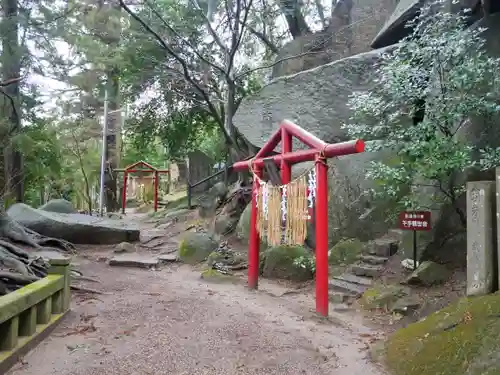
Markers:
<point>295,20</point>
<point>11,71</point>
<point>114,118</point>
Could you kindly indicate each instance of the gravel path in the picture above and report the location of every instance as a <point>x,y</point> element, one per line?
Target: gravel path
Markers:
<point>172,322</point>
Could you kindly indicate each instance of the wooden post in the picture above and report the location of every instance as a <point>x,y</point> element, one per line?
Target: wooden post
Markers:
<point>254,242</point>
<point>155,191</point>
<point>61,301</point>
<point>286,147</point>
<point>322,236</point>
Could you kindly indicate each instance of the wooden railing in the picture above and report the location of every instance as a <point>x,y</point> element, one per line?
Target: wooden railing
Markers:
<point>29,314</point>
<point>226,171</point>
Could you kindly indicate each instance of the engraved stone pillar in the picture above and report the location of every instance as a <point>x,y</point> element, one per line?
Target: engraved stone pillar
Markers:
<point>497,218</point>
<point>480,242</point>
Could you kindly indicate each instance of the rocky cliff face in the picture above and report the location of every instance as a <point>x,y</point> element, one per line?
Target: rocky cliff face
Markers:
<point>316,99</point>
<point>349,32</point>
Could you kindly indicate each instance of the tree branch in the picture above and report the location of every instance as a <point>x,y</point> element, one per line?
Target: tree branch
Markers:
<point>185,70</point>
<point>264,39</point>
<point>171,29</point>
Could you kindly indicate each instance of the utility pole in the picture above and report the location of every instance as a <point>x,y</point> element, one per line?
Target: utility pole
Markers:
<point>103,153</point>
<point>104,148</point>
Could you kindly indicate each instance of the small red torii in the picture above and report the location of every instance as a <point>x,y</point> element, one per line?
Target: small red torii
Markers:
<point>141,166</point>
<point>318,151</point>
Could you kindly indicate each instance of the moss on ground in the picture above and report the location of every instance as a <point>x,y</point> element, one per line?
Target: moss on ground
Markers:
<point>346,251</point>
<point>462,339</point>
<point>215,276</point>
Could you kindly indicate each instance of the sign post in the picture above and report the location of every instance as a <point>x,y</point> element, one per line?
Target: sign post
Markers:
<point>415,221</point>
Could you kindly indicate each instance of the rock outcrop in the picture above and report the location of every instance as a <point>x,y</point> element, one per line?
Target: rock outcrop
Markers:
<point>195,247</point>
<point>349,32</point>
<point>317,100</point>
<point>75,228</point>
<point>61,206</point>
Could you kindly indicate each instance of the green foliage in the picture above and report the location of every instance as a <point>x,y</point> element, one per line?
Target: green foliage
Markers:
<point>443,63</point>
<point>43,157</point>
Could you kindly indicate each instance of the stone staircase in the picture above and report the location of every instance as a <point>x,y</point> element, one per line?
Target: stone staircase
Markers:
<point>359,277</point>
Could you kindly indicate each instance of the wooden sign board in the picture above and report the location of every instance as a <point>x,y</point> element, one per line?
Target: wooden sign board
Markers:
<point>415,220</point>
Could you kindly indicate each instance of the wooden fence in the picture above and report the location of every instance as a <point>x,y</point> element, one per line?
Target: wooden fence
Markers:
<point>29,314</point>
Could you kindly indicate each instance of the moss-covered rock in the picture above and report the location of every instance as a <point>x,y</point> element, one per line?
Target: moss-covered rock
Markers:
<point>428,273</point>
<point>383,296</point>
<point>243,227</point>
<point>278,263</point>
<point>61,206</point>
<point>346,251</point>
<point>195,247</point>
<point>462,339</point>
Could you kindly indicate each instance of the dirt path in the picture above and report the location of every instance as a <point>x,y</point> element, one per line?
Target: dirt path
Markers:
<point>171,322</point>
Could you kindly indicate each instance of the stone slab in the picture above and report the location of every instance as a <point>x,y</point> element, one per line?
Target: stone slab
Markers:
<point>134,260</point>
<point>168,258</point>
<point>383,247</point>
<point>497,217</point>
<point>345,286</point>
<point>75,228</point>
<point>366,270</point>
<point>480,240</point>
<point>355,279</point>
<point>373,259</point>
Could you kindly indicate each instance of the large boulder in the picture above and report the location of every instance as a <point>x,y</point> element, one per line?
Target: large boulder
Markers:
<point>317,100</point>
<point>195,247</point>
<point>428,273</point>
<point>243,226</point>
<point>279,263</point>
<point>61,206</point>
<point>75,228</point>
<point>461,339</point>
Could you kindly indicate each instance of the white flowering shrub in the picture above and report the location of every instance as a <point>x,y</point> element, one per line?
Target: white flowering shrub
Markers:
<point>442,64</point>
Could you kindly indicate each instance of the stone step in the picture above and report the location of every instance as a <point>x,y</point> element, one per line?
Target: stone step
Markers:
<point>395,234</point>
<point>373,259</point>
<point>382,247</point>
<point>134,260</point>
<point>355,279</point>
<point>338,297</point>
<point>354,290</point>
<point>367,270</point>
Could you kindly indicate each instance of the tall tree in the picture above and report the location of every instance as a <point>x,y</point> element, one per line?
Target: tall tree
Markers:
<point>204,66</point>
<point>10,111</point>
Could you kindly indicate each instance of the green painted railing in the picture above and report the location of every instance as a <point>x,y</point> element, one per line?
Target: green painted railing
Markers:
<point>30,313</point>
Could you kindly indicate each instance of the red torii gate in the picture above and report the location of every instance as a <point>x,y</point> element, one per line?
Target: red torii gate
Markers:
<point>318,151</point>
<point>141,166</point>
